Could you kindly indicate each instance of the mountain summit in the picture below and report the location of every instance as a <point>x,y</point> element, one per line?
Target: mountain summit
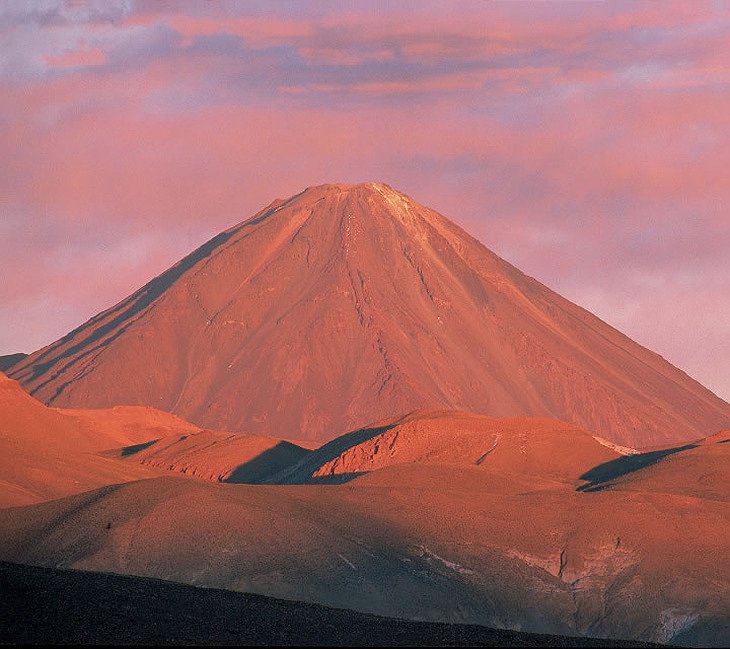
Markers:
<point>348,304</point>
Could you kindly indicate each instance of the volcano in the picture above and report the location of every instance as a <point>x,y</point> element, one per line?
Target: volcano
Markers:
<point>349,304</point>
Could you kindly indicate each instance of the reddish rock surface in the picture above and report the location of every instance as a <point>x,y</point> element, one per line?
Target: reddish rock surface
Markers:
<point>348,304</point>
<point>218,456</point>
<point>545,449</point>
<point>47,453</point>
<point>525,523</point>
<point>630,548</point>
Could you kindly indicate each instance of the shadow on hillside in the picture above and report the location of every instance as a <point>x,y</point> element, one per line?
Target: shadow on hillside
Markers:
<point>302,472</point>
<point>8,360</point>
<point>335,478</point>
<point>601,476</point>
<point>269,463</point>
<point>136,448</point>
<point>287,463</point>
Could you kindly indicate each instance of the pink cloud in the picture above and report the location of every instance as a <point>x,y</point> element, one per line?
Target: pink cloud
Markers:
<point>490,29</point>
<point>509,80</point>
<point>257,31</point>
<point>590,157</point>
<point>85,56</point>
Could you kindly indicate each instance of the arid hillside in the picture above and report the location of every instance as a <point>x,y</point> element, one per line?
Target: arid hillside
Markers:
<point>43,605</point>
<point>526,524</point>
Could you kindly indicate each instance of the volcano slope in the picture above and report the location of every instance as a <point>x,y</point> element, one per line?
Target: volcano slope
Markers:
<point>496,528</point>
<point>347,304</point>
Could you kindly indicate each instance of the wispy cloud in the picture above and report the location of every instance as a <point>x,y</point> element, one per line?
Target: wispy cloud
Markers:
<point>587,142</point>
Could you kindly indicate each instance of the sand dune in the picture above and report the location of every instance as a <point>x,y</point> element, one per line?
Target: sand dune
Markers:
<point>347,304</point>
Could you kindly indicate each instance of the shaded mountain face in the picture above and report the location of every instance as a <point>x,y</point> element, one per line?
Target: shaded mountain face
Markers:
<point>345,305</point>
<point>8,360</point>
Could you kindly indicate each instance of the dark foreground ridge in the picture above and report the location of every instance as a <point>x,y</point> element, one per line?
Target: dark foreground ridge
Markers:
<point>48,606</point>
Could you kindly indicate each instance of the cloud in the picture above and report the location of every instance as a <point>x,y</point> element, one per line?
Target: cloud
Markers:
<point>586,142</point>
<point>81,57</point>
<point>53,13</point>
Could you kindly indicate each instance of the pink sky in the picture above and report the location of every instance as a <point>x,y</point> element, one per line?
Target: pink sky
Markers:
<point>588,143</point>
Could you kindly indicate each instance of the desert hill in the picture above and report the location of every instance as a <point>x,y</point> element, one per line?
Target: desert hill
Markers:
<point>46,453</point>
<point>218,456</point>
<point>50,452</point>
<point>523,523</point>
<point>439,542</point>
<point>700,469</point>
<point>540,447</point>
<point>348,304</point>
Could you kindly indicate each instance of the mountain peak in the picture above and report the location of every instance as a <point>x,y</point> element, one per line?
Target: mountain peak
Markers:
<point>342,190</point>
<point>347,304</point>
<point>348,187</point>
<point>374,191</point>
<point>356,212</point>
